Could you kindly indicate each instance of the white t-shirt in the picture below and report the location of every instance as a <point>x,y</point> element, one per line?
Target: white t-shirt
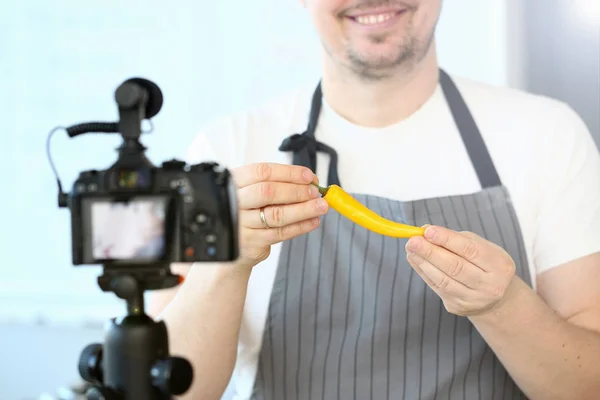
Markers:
<point>541,148</point>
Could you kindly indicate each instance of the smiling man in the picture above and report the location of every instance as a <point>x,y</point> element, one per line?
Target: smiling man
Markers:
<point>500,299</point>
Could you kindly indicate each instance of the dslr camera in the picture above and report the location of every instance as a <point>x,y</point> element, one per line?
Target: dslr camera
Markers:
<point>136,219</point>
<point>134,213</point>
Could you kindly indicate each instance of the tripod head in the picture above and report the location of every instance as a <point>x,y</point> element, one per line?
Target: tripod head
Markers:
<point>134,362</point>
<point>129,282</point>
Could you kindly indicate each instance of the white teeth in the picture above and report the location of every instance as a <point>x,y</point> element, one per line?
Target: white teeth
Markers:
<point>373,19</point>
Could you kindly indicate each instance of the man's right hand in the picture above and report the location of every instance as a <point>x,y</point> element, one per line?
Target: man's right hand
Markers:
<point>291,205</point>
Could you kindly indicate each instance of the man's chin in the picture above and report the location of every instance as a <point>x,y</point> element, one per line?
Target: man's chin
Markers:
<point>380,61</point>
<point>377,65</point>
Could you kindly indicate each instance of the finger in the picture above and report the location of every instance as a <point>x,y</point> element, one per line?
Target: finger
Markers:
<point>413,263</point>
<point>266,193</point>
<point>262,237</point>
<point>278,216</point>
<point>449,263</point>
<point>272,172</point>
<point>466,246</point>
<point>441,283</point>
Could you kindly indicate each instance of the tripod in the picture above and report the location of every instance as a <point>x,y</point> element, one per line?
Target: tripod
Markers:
<point>134,362</point>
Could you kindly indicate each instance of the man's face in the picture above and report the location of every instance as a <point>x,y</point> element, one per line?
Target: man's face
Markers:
<point>375,37</point>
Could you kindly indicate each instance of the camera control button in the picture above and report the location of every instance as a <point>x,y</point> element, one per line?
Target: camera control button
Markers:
<point>212,251</point>
<point>189,252</point>
<point>174,165</point>
<point>202,218</point>
<point>80,188</point>
<point>177,183</point>
<point>204,166</point>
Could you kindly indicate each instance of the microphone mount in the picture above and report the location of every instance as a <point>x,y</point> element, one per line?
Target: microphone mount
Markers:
<point>137,99</point>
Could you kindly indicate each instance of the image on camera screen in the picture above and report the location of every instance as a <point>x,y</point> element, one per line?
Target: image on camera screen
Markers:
<point>128,231</point>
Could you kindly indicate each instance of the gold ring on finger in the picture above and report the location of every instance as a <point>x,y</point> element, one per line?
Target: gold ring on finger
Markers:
<point>263,219</point>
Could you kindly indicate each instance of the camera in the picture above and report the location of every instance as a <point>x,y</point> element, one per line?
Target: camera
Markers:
<point>134,213</point>
<point>136,219</point>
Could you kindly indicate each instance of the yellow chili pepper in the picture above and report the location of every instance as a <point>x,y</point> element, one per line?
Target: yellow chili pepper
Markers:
<point>352,209</point>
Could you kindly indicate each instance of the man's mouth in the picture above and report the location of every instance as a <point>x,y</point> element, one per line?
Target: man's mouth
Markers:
<point>374,18</point>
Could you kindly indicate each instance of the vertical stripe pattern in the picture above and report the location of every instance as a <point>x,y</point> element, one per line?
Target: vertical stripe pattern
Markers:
<point>349,318</point>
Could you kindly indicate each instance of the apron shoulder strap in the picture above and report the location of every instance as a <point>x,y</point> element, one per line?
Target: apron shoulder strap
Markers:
<point>471,136</point>
<point>305,146</point>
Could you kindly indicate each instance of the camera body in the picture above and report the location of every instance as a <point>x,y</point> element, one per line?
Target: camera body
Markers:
<point>136,214</point>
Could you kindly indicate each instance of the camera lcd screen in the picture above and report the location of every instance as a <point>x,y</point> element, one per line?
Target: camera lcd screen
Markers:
<point>133,230</point>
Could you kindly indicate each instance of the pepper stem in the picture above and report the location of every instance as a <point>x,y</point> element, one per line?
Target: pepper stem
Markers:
<point>321,189</point>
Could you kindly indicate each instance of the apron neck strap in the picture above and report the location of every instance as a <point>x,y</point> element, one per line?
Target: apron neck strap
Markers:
<point>470,134</point>
<point>305,146</point>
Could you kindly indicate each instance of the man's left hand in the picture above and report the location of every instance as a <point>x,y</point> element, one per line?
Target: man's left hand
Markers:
<point>470,274</point>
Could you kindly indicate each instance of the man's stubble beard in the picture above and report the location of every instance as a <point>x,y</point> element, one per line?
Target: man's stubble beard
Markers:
<point>410,53</point>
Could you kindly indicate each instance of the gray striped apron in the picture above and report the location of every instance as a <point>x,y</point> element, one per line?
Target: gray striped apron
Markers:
<point>349,318</point>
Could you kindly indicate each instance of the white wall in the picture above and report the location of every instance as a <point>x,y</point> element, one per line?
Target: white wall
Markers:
<point>473,39</point>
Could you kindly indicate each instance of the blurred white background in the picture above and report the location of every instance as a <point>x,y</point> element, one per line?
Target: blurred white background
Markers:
<point>60,62</point>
